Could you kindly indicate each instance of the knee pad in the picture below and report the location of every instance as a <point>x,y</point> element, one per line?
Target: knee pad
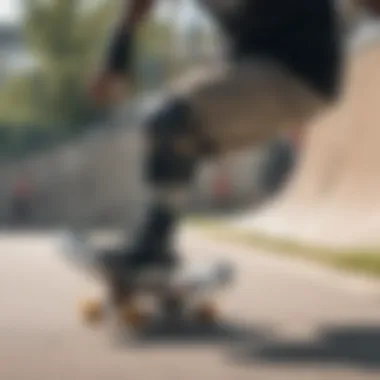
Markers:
<point>174,118</point>
<point>166,163</point>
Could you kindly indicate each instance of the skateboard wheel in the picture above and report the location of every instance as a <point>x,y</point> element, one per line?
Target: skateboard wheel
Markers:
<point>91,311</point>
<point>133,317</point>
<point>206,314</point>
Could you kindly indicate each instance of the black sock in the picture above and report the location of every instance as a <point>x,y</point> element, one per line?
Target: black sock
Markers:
<point>155,233</point>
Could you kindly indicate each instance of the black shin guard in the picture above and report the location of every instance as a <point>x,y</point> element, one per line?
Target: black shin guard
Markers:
<point>169,168</point>
<point>169,163</point>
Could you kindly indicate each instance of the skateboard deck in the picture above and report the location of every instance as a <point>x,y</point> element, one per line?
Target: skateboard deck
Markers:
<point>179,293</point>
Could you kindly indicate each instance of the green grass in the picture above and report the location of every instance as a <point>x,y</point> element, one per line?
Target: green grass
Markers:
<point>359,260</point>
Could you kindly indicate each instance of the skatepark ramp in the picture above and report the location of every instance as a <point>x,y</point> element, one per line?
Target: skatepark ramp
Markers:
<point>333,197</point>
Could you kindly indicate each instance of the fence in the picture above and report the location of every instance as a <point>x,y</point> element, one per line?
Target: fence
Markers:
<point>96,179</point>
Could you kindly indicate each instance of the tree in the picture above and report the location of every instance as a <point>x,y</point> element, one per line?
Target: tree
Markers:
<point>65,37</point>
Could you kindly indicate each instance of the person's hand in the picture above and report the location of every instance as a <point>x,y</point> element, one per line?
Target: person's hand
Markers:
<point>111,88</point>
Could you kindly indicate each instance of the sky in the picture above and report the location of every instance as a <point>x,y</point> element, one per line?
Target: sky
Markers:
<point>9,11</point>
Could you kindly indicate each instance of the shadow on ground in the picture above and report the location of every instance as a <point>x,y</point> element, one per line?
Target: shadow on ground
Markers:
<point>354,346</point>
<point>192,334</point>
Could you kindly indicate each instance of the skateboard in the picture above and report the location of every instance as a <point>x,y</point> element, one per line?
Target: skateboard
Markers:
<point>134,300</point>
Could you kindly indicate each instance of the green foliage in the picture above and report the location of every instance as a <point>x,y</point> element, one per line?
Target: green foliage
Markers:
<point>153,53</point>
<point>65,38</point>
<point>65,32</point>
<point>154,39</point>
<point>15,100</point>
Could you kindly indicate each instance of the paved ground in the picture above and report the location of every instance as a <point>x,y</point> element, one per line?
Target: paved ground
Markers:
<point>282,321</point>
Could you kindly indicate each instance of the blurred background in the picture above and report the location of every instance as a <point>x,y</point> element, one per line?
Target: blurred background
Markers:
<point>299,217</point>
<point>57,151</point>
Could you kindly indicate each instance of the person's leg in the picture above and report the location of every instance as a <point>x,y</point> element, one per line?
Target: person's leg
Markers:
<point>248,103</point>
<point>229,110</point>
<point>174,147</point>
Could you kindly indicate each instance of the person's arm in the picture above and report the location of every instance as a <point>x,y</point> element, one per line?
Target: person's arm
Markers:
<point>111,84</point>
<point>120,54</point>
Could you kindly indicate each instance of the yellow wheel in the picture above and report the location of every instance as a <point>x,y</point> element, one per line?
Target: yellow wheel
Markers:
<point>206,314</point>
<point>131,316</point>
<point>91,311</point>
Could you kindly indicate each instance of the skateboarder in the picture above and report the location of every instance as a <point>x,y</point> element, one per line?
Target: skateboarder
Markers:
<point>284,67</point>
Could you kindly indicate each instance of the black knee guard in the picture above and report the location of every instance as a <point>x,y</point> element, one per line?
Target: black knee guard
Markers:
<point>167,163</point>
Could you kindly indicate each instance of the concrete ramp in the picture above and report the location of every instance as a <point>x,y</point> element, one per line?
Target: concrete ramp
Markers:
<point>334,195</point>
